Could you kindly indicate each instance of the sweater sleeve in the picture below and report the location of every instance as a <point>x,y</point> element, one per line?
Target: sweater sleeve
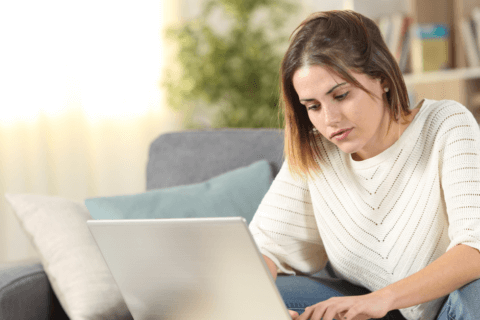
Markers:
<point>459,159</point>
<point>284,226</point>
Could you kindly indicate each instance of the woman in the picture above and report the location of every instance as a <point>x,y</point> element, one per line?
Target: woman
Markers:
<point>384,199</point>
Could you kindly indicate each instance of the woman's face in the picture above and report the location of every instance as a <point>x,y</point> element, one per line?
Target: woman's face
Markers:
<point>334,104</point>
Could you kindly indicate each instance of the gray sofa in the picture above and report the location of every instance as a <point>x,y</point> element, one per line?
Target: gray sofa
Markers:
<point>174,159</point>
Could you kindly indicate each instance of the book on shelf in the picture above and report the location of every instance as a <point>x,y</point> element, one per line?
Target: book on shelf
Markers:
<point>396,35</point>
<point>470,37</point>
<point>405,56</point>
<point>475,26</point>
<point>385,26</point>
<point>395,31</point>
<point>469,40</point>
<point>430,47</point>
<point>403,51</point>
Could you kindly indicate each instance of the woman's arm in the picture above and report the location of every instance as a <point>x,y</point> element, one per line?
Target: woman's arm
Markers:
<point>452,270</point>
<point>271,266</point>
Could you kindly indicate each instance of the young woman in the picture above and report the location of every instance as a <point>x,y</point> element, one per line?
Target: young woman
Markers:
<point>382,200</point>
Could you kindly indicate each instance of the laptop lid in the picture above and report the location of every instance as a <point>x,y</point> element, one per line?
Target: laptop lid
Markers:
<point>199,268</point>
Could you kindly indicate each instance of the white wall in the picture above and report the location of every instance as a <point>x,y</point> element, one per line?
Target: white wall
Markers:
<point>371,8</point>
<point>377,8</point>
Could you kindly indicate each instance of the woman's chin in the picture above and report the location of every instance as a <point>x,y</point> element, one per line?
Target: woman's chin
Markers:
<point>347,149</point>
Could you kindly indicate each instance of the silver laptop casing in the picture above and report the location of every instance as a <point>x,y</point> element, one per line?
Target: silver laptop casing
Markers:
<point>199,268</point>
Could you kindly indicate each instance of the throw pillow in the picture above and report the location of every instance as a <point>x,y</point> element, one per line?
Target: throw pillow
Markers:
<point>235,193</point>
<point>71,259</point>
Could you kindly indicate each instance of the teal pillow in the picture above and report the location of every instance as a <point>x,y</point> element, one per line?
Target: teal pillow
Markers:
<point>235,193</point>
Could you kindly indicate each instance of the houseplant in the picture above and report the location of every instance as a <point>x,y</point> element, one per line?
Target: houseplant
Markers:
<point>232,75</point>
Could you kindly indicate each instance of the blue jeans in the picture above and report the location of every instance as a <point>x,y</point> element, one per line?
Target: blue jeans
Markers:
<point>301,291</point>
<point>462,304</point>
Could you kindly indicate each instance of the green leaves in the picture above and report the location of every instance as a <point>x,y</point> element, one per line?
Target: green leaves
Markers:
<point>234,73</point>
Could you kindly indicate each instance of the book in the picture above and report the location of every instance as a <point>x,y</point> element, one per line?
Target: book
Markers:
<point>396,34</point>
<point>385,26</point>
<point>405,53</point>
<point>430,47</point>
<point>476,26</point>
<point>470,42</point>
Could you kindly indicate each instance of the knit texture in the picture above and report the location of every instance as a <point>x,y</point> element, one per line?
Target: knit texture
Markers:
<point>384,218</point>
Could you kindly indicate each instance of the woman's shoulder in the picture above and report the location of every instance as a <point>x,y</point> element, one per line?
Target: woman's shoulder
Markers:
<point>439,111</point>
<point>448,119</point>
<point>434,105</point>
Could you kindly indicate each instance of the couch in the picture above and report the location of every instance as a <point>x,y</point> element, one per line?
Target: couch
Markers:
<point>175,159</point>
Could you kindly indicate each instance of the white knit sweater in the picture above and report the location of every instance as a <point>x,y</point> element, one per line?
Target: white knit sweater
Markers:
<point>381,219</point>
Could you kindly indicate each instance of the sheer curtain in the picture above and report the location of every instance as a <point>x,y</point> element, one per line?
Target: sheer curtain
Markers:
<point>80,101</point>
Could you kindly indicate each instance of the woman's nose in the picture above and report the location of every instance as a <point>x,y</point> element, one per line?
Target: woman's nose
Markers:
<point>331,115</point>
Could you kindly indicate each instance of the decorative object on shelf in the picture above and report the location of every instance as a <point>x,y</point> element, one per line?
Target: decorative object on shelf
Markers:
<point>230,78</point>
<point>430,47</point>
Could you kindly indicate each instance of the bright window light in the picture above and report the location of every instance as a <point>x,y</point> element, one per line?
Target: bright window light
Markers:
<point>101,55</point>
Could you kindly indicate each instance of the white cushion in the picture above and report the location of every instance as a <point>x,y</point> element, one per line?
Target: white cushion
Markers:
<point>71,259</point>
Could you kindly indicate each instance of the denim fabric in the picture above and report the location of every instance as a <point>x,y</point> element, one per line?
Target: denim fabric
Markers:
<point>301,291</point>
<point>462,304</point>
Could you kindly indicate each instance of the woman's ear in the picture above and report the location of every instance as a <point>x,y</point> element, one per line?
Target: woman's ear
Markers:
<point>384,83</point>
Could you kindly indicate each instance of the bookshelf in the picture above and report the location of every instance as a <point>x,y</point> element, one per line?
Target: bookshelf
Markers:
<point>460,81</point>
<point>441,76</point>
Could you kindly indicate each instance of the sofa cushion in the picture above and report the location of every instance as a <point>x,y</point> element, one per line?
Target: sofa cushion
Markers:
<point>24,292</point>
<point>186,157</point>
<point>70,257</point>
<point>235,193</point>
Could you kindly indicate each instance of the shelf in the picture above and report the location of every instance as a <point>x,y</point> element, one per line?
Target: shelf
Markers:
<point>443,75</point>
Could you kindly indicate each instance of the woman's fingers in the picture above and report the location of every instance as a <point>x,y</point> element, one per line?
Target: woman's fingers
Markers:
<point>293,314</point>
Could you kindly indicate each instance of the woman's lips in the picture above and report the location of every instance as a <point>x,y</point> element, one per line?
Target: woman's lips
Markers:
<point>343,135</point>
<point>341,132</point>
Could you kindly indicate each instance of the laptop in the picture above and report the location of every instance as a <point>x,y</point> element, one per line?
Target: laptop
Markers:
<point>193,268</point>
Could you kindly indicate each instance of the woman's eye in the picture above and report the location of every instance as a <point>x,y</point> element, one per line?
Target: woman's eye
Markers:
<point>343,96</point>
<point>315,107</point>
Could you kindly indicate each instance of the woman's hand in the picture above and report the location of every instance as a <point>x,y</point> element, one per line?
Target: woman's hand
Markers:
<point>293,314</point>
<point>348,308</point>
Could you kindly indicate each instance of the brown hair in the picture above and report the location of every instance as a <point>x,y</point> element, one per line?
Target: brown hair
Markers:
<point>338,40</point>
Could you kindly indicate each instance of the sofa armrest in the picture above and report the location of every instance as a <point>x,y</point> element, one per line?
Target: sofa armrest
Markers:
<point>25,293</point>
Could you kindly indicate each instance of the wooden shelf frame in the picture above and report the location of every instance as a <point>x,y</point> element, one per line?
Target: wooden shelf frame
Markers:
<point>440,76</point>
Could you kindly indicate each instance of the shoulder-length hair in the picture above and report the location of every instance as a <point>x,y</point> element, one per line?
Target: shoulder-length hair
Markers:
<point>339,40</point>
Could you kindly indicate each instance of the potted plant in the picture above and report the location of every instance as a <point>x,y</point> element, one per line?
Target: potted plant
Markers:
<point>232,77</point>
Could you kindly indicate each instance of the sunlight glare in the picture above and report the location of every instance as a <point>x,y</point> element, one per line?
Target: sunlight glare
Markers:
<point>102,55</point>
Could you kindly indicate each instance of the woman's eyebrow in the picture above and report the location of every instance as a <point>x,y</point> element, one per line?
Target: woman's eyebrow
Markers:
<point>329,91</point>
<point>334,87</point>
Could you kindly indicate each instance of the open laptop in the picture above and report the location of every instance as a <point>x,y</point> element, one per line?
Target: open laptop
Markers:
<point>199,268</point>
